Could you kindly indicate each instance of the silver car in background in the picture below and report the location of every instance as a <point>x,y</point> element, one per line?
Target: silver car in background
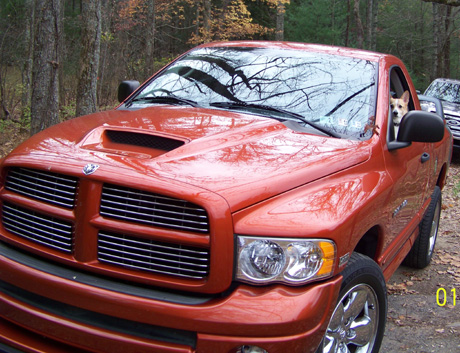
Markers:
<point>448,91</point>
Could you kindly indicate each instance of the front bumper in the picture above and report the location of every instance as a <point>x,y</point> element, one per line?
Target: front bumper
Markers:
<point>47,308</point>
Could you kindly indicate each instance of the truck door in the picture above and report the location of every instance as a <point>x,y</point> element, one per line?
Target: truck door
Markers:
<point>409,168</point>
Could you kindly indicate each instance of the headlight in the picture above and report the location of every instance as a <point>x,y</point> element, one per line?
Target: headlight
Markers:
<point>292,261</point>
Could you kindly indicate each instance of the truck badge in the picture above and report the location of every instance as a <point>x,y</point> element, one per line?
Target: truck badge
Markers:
<point>399,208</point>
<point>90,168</point>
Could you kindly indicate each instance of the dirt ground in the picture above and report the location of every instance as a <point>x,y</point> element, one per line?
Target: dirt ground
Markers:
<point>423,315</point>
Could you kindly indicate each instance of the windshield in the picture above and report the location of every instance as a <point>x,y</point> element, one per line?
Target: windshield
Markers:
<point>446,91</point>
<point>334,92</point>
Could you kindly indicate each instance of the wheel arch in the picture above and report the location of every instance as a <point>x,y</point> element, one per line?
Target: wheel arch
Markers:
<point>370,243</point>
<point>442,177</point>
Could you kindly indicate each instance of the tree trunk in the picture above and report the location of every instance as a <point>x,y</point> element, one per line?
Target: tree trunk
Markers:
<point>420,28</point>
<point>280,11</point>
<point>372,11</point>
<point>447,42</point>
<point>150,40</point>
<point>89,57</point>
<point>45,77</point>
<point>347,31</point>
<point>28,61</point>
<point>442,24</point>
<point>359,25</point>
<point>436,34</point>
<point>207,18</point>
<point>106,39</point>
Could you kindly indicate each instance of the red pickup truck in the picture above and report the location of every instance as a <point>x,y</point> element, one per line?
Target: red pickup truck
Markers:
<point>249,197</point>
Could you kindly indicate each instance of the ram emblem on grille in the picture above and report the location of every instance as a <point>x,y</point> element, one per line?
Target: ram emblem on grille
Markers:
<point>90,168</point>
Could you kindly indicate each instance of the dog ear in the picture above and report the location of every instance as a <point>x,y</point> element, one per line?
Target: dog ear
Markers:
<point>405,97</point>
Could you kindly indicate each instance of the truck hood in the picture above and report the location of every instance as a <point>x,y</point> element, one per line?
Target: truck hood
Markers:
<point>452,109</point>
<point>244,158</point>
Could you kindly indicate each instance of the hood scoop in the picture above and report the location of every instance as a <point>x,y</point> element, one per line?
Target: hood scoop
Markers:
<point>131,143</point>
<point>143,140</point>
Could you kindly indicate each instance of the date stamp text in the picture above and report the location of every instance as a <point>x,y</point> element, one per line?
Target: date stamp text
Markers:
<point>446,296</point>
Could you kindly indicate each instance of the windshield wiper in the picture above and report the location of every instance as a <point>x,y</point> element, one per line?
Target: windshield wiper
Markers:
<point>284,113</point>
<point>163,99</point>
<point>252,106</point>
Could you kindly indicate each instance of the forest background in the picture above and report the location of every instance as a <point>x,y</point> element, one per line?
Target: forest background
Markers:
<point>64,58</point>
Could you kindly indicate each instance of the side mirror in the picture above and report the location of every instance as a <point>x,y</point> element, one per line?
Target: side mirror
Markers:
<point>126,88</point>
<point>418,126</point>
<point>421,126</point>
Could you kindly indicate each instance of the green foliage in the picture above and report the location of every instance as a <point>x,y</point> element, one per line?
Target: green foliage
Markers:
<point>320,21</point>
<point>10,125</point>
<point>405,31</point>
<point>107,37</point>
<point>419,80</point>
<point>67,112</point>
<point>25,119</point>
<point>7,125</point>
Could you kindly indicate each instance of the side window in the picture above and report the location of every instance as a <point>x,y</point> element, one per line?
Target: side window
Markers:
<point>400,101</point>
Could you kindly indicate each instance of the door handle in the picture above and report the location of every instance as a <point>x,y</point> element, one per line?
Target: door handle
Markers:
<point>425,157</point>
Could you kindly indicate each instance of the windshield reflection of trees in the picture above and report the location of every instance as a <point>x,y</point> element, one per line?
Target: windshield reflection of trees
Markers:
<point>334,91</point>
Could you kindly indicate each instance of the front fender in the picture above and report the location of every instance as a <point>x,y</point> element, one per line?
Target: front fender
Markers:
<point>341,207</point>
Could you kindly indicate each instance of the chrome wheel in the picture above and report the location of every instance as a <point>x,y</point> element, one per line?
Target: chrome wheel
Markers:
<point>354,322</point>
<point>357,323</point>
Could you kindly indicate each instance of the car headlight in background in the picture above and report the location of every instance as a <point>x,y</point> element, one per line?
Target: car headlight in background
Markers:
<point>291,261</point>
<point>428,106</point>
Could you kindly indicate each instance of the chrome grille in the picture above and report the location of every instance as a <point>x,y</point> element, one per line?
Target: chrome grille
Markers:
<point>454,124</point>
<point>147,208</point>
<point>42,229</point>
<point>153,256</point>
<point>49,187</point>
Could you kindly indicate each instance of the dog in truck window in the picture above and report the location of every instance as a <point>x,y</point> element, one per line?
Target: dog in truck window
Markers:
<point>399,107</point>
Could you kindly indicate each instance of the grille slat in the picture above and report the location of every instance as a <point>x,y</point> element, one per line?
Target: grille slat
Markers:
<point>160,268</point>
<point>147,208</point>
<point>158,221</point>
<point>155,200</point>
<point>49,187</point>
<point>37,227</point>
<point>26,233</point>
<point>46,225</point>
<point>168,202</point>
<point>160,247</point>
<point>152,256</point>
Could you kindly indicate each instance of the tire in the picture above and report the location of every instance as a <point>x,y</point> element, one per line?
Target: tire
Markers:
<point>358,321</point>
<point>422,251</point>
